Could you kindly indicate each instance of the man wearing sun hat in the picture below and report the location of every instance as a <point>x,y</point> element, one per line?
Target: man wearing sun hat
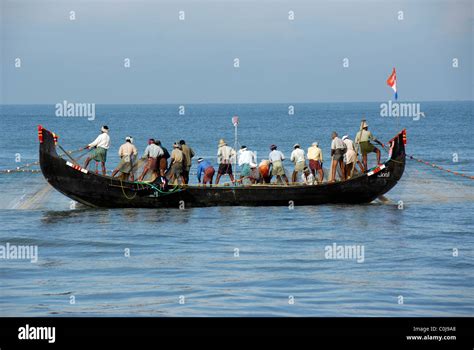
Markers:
<point>225,157</point>
<point>362,140</point>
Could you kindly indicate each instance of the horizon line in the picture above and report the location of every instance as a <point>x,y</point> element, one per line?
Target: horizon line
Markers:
<point>234,103</point>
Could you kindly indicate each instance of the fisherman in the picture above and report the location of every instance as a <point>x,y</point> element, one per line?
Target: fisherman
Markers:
<point>176,164</point>
<point>297,157</point>
<point>127,153</point>
<point>225,156</point>
<point>151,154</point>
<point>315,156</point>
<point>350,157</point>
<point>337,153</point>
<point>254,176</point>
<point>188,155</point>
<point>362,140</point>
<point>276,159</point>
<point>100,146</point>
<point>163,159</point>
<point>307,177</point>
<point>264,170</point>
<point>247,159</point>
<point>206,169</point>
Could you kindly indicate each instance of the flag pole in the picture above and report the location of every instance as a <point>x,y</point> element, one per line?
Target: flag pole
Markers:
<point>235,121</point>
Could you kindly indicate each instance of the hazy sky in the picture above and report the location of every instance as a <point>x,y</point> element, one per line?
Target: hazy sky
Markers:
<point>192,61</point>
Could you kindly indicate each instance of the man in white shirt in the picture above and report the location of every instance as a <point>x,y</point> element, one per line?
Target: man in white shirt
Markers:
<point>350,157</point>
<point>247,160</point>
<point>276,158</point>
<point>99,149</point>
<point>127,153</point>
<point>307,177</point>
<point>151,154</point>
<point>297,157</point>
<point>337,153</point>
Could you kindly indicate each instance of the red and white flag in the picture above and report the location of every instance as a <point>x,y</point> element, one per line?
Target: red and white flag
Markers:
<point>392,82</point>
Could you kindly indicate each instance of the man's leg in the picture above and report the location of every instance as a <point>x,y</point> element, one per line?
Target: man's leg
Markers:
<point>343,171</point>
<point>333,170</point>
<point>364,161</point>
<point>142,176</point>
<point>321,175</point>
<point>293,176</point>
<point>186,176</point>
<point>377,152</point>
<point>86,163</point>
<point>312,168</point>
<point>104,172</point>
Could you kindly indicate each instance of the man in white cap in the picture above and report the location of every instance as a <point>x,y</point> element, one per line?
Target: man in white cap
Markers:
<point>99,149</point>
<point>362,140</point>
<point>307,177</point>
<point>315,157</point>
<point>350,157</point>
<point>276,159</point>
<point>225,156</point>
<point>176,165</point>
<point>127,153</point>
<point>297,157</point>
<point>247,160</point>
<point>206,171</point>
<point>151,155</point>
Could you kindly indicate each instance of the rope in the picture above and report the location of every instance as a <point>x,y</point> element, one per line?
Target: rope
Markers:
<point>441,168</point>
<point>433,165</point>
<point>124,194</point>
<point>22,169</point>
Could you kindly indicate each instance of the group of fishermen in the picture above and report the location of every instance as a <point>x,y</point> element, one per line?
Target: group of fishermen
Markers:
<point>175,167</point>
<point>155,156</point>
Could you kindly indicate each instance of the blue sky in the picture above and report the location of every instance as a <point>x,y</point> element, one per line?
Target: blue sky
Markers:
<point>191,61</point>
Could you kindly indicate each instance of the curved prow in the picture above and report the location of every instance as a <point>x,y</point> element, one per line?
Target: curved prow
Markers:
<point>48,141</point>
<point>47,151</point>
<point>397,145</point>
<point>397,153</point>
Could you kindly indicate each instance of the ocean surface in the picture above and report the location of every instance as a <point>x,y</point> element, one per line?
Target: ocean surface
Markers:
<point>265,261</point>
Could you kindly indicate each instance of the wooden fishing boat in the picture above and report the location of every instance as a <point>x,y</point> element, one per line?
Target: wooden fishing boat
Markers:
<point>96,190</point>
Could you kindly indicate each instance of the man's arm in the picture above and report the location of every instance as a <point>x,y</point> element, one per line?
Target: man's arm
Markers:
<point>95,142</point>
<point>146,153</point>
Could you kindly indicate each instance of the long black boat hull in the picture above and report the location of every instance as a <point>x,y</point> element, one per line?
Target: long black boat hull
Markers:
<point>103,191</point>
